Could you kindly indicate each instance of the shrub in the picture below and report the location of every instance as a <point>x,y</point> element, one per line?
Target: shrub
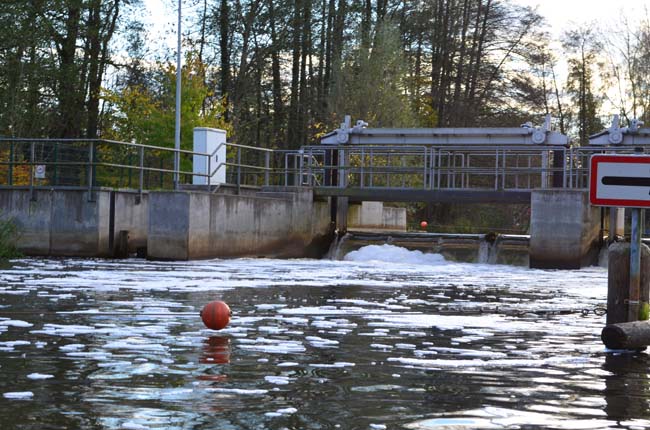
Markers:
<point>8,236</point>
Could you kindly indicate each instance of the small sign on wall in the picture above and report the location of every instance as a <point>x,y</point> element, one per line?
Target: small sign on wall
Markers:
<point>39,171</point>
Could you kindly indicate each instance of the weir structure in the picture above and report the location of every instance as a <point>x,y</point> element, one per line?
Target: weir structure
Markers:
<point>106,198</point>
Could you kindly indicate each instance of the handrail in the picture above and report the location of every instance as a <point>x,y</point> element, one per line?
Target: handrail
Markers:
<point>92,163</point>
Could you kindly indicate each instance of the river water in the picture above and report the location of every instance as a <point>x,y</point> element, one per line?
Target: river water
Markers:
<point>388,339</point>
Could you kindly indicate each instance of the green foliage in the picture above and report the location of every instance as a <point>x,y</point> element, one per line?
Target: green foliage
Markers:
<point>8,236</point>
<point>146,114</point>
<point>371,85</point>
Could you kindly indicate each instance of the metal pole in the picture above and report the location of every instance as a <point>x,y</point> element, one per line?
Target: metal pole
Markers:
<point>56,161</point>
<point>177,137</point>
<point>267,165</point>
<point>209,173</point>
<point>286,169</point>
<point>141,175</point>
<point>301,154</point>
<point>310,157</point>
<point>91,158</point>
<point>32,157</point>
<point>635,266</point>
<point>238,170</point>
<point>10,172</point>
<point>363,161</point>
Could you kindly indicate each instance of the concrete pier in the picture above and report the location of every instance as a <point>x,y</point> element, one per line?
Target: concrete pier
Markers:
<point>375,216</point>
<point>194,225</point>
<point>69,223</point>
<point>564,229</point>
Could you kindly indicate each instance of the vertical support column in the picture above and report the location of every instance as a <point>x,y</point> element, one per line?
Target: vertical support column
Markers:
<point>32,157</point>
<point>558,168</point>
<point>140,174</point>
<point>238,170</point>
<point>91,167</point>
<point>10,171</point>
<point>342,215</point>
<point>544,170</point>
<point>55,177</point>
<point>342,203</point>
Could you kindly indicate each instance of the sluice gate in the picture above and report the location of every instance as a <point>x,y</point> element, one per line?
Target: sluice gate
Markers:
<point>487,248</point>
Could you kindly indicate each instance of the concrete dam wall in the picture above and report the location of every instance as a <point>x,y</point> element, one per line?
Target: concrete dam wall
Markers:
<point>190,225</point>
<point>168,225</point>
<point>72,223</point>
<point>184,225</point>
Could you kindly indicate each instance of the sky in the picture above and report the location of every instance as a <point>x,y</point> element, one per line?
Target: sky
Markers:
<point>562,14</point>
<point>559,13</point>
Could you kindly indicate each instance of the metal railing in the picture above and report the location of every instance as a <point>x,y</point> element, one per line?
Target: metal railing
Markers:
<point>92,164</point>
<point>437,167</point>
<point>89,164</point>
<point>95,163</point>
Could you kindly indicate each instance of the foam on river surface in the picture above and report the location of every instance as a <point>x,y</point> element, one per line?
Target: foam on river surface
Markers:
<point>388,338</point>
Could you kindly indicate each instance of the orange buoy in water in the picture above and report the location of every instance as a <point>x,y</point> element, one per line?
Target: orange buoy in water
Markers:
<point>215,315</point>
<point>424,224</point>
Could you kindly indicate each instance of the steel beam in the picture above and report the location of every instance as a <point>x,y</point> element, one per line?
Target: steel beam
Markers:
<point>424,195</point>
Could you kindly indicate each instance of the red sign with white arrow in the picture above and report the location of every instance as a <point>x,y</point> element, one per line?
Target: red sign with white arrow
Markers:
<point>620,181</point>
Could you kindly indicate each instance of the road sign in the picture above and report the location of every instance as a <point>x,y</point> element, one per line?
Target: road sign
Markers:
<point>620,181</point>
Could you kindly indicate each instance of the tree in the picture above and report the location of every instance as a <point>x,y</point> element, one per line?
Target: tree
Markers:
<point>53,62</point>
<point>144,113</point>
<point>372,83</point>
<point>583,45</point>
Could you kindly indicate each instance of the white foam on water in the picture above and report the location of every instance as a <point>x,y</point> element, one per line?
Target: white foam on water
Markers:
<point>281,412</point>
<point>64,330</point>
<point>36,376</point>
<point>72,347</point>
<point>278,380</point>
<point>133,426</point>
<point>393,254</point>
<point>337,364</point>
<point>135,344</point>
<point>320,342</point>
<point>272,346</point>
<point>15,323</point>
<point>13,343</point>
<point>238,391</point>
<point>18,395</point>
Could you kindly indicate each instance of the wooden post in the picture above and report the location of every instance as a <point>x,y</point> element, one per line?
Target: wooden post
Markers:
<point>618,282</point>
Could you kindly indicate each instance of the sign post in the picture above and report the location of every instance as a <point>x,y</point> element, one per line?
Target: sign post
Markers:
<point>635,266</point>
<point>624,181</point>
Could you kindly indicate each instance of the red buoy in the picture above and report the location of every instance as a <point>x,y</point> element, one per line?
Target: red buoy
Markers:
<point>424,224</point>
<point>215,315</point>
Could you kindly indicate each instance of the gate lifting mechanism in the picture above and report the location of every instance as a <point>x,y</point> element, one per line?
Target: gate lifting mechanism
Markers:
<point>527,134</point>
<point>478,159</point>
